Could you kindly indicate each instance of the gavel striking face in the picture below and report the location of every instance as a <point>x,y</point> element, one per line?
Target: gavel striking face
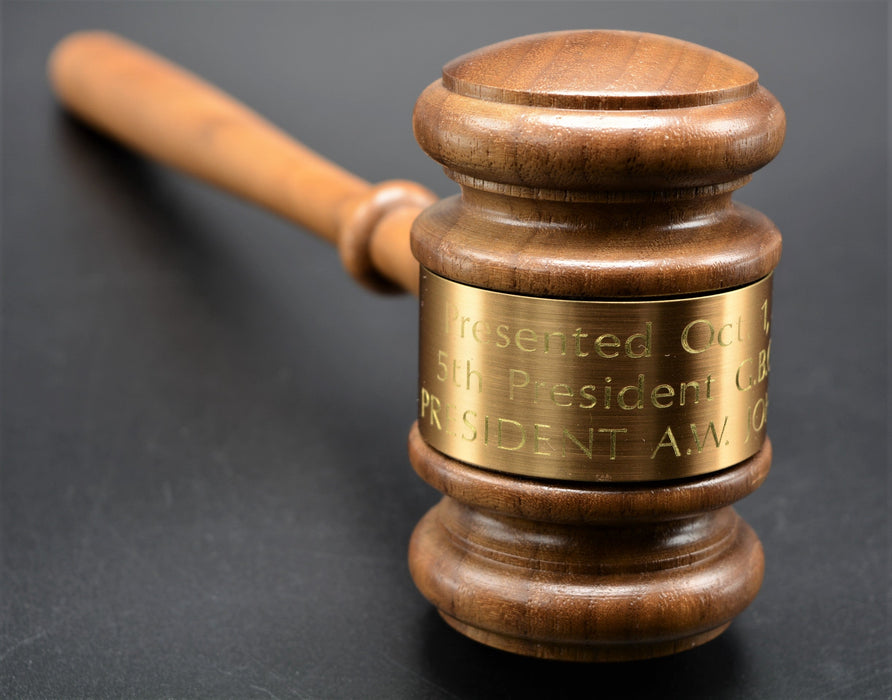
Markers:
<point>595,317</point>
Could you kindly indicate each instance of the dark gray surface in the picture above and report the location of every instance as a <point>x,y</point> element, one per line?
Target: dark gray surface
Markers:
<point>204,484</point>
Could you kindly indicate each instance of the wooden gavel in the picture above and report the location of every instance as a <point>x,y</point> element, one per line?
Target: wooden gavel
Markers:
<point>595,316</point>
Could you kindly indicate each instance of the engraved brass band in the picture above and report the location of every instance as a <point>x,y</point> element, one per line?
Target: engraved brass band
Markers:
<point>594,390</point>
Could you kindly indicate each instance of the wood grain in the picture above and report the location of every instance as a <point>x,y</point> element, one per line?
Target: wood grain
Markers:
<point>620,149</point>
<point>593,165</point>
<point>586,572</point>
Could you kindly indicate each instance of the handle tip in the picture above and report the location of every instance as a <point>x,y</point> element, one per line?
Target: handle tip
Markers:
<point>71,51</point>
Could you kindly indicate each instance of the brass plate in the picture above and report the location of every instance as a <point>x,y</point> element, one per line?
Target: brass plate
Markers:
<point>594,390</point>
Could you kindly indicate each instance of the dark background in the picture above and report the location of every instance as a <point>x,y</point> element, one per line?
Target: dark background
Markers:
<point>205,491</point>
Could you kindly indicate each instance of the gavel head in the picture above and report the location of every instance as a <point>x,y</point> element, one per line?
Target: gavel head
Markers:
<point>595,343</point>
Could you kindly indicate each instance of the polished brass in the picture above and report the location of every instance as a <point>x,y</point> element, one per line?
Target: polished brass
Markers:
<point>594,390</point>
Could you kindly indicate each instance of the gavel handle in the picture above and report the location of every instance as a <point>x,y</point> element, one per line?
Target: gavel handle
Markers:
<point>173,116</point>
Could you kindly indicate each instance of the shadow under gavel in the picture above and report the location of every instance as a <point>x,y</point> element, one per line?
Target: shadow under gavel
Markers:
<point>595,316</point>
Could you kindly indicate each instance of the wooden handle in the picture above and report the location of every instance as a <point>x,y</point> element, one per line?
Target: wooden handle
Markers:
<point>175,117</point>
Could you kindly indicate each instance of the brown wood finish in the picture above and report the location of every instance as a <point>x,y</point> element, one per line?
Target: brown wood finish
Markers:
<point>622,154</point>
<point>175,117</point>
<point>584,572</point>
<point>592,165</point>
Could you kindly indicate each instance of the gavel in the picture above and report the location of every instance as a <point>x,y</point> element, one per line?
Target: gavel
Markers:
<point>595,316</point>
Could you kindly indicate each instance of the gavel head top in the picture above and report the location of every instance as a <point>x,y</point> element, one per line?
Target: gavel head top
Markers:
<point>594,308</point>
<point>544,132</point>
